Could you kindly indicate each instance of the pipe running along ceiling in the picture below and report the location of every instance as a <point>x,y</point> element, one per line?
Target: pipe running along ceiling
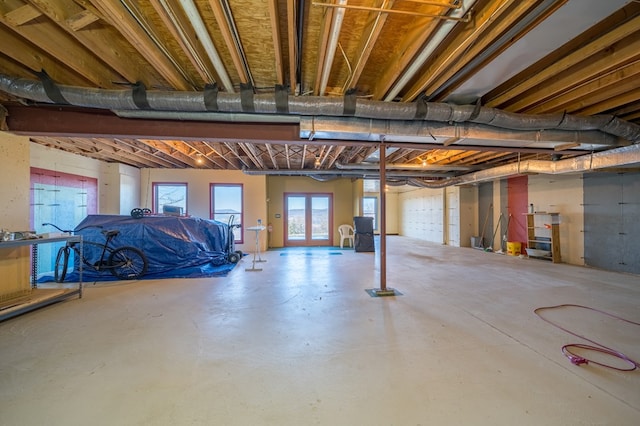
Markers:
<point>452,88</point>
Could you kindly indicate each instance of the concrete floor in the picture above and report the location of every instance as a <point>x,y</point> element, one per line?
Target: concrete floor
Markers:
<point>302,343</point>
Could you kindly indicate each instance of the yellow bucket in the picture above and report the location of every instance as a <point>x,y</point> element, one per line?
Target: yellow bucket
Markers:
<point>513,248</point>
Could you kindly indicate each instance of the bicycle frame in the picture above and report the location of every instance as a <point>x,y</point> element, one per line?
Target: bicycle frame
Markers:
<point>125,262</point>
<point>104,248</point>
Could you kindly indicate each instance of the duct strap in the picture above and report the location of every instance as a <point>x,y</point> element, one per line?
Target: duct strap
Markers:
<point>282,99</point>
<point>421,107</point>
<point>50,88</point>
<point>139,94</point>
<point>561,122</point>
<point>476,111</point>
<point>349,102</point>
<point>211,97</point>
<point>246,97</point>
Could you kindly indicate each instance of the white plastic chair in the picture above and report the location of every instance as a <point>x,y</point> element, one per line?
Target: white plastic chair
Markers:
<point>346,233</point>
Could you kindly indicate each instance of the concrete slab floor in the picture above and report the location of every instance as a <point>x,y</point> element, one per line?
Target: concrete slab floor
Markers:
<point>302,343</point>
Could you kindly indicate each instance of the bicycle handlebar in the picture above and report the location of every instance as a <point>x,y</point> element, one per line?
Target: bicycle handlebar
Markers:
<point>56,226</point>
<point>69,230</point>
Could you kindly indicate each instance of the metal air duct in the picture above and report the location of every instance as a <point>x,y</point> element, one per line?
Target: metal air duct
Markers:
<point>313,106</point>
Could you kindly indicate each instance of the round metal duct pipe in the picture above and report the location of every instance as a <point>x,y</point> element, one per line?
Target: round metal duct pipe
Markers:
<point>214,101</point>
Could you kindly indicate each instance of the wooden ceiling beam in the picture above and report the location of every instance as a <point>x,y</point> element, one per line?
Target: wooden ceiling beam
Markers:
<point>292,13</point>
<point>67,145</point>
<point>81,20</point>
<point>96,149</point>
<point>334,157</point>
<point>631,95</point>
<point>601,43</point>
<point>494,48</point>
<point>331,26</point>
<point>182,31</point>
<point>250,150</point>
<point>183,151</point>
<point>153,154</point>
<point>123,21</point>
<point>180,160</point>
<point>272,156</point>
<point>275,36</point>
<point>603,100</point>
<point>22,53</point>
<point>217,150</point>
<point>584,93</point>
<point>287,155</point>
<point>402,57</point>
<point>22,15</point>
<point>102,41</point>
<point>226,154</point>
<point>60,46</point>
<point>632,116</point>
<point>207,155</point>
<point>227,34</point>
<point>374,28</point>
<point>141,155</point>
<point>398,154</point>
<point>303,156</point>
<point>610,59</point>
<point>235,149</point>
<point>494,29</point>
<point>473,33</point>
<point>445,157</point>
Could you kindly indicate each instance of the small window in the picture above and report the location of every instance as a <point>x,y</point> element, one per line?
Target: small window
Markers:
<point>170,198</point>
<point>226,204</point>
<point>370,209</point>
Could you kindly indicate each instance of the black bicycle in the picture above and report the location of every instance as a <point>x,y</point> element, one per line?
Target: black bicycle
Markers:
<point>125,262</point>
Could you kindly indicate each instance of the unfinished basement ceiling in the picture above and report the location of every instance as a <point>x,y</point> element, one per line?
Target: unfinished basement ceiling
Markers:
<point>313,87</point>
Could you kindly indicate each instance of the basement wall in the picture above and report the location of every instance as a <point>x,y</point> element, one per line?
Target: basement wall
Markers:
<point>421,213</point>
<point>199,196</point>
<point>562,194</point>
<point>462,215</point>
<point>118,184</point>
<point>14,214</point>
<point>391,200</point>
<point>343,205</point>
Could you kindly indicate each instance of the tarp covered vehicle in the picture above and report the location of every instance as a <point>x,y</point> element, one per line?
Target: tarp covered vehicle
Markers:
<point>176,247</point>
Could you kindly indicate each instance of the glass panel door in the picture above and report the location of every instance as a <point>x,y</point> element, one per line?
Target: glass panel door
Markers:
<point>320,217</point>
<point>308,219</point>
<point>296,217</point>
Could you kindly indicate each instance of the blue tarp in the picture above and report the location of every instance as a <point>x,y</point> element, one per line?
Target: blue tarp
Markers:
<point>176,247</point>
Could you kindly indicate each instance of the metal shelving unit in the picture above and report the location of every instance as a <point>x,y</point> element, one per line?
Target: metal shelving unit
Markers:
<point>38,297</point>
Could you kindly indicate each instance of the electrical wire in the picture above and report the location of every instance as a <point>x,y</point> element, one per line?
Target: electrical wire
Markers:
<point>595,346</point>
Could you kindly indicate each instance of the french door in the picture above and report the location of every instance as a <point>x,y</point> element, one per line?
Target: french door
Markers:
<point>308,219</point>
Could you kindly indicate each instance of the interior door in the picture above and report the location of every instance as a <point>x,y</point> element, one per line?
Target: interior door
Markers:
<point>309,219</point>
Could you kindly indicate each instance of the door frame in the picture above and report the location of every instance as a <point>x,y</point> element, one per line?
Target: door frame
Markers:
<point>307,242</point>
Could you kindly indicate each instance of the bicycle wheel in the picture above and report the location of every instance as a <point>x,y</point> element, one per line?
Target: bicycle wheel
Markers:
<point>62,262</point>
<point>127,263</point>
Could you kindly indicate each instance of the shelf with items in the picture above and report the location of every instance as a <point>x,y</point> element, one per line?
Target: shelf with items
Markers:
<point>38,297</point>
<point>543,236</point>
